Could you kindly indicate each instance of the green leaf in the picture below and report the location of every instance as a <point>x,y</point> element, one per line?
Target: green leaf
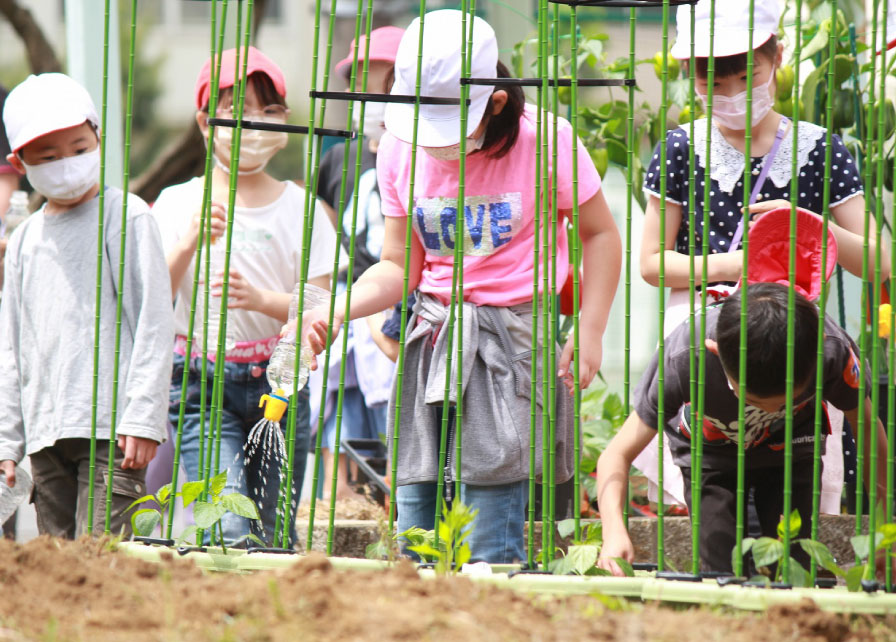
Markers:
<point>625,566</point>
<point>416,536</point>
<point>145,498</point>
<point>207,515</point>
<point>745,545</point>
<point>190,491</point>
<point>144,521</point>
<point>582,557</point>
<point>240,505</point>
<point>617,152</point>
<point>821,555</point>
<point>463,555</point>
<point>767,551</point>
<point>566,527</point>
<point>795,523</point>
<point>163,494</point>
<point>600,572</point>
<point>426,551</point>
<point>188,536</point>
<point>218,483</point>
<point>798,575</point>
<point>854,578</point>
<point>861,544</point>
<point>819,40</point>
<point>887,535</point>
<point>255,538</point>
<point>594,533</point>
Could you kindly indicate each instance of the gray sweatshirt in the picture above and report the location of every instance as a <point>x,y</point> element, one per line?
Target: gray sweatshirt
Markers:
<point>47,320</point>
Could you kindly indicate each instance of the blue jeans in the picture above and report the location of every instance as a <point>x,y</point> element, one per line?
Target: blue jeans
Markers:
<point>255,477</point>
<point>497,536</point>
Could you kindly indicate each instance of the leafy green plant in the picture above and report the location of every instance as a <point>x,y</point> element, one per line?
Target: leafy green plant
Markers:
<point>768,551</point>
<point>603,413</point>
<point>386,546</point>
<point>452,551</point>
<point>207,515</point>
<point>867,552</point>
<point>582,554</point>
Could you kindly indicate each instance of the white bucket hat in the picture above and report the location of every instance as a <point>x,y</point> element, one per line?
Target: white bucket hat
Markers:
<point>440,73</point>
<point>43,104</point>
<point>732,34</point>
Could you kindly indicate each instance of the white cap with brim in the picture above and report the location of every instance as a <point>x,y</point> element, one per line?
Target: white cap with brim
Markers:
<point>731,28</point>
<point>44,104</point>
<point>440,72</point>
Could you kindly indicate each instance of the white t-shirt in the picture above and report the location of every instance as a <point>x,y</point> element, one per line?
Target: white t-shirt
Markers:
<point>266,248</point>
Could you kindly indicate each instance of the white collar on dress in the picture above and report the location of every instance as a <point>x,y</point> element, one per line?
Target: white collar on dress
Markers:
<point>727,163</point>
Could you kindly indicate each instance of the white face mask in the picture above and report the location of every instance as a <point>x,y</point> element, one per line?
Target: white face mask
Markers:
<point>731,111</point>
<point>374,117</point>
<point>65,179</point>
<point>452,152</point>
<point>257,147</point>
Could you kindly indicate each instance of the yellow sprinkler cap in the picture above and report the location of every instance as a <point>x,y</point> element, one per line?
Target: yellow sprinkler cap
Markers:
<point>883,320</point>
<point>277,404</point>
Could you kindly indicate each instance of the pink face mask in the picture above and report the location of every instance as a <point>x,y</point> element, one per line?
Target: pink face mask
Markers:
<point>731,111</point>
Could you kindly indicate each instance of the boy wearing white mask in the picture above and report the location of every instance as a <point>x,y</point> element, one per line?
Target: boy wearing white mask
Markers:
<point>48,315</point>
<point>772,149</point>
<point>368,378</point>
<point>266,258</point>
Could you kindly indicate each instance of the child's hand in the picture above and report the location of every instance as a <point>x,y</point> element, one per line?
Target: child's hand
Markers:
<point>240,293</point>
<point>616,544</point>
<point>766,206</point>
<point>219,225</point>
<point>8,468</point>
<point>314,330</point>
<point>590,357</point>
<point>138,451</point>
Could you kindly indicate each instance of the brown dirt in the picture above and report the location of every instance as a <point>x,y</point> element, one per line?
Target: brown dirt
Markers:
<point>54,590</point>
<point>355,507</point>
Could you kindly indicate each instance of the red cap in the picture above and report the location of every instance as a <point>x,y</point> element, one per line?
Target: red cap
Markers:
<point>257,63</point>
<point>769,249</point>
<point>383,47</point>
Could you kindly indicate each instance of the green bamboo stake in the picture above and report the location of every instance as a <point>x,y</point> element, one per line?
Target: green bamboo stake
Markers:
<point>629,196</point>
<point>577,259</point>
<point>100,245</point>
<point>697,431</point>
<point>823,296</point>
<point>124,223</point>
<point>791,305</point>
<point>205,228</point>
<point>891,403</point>
<point>742,370</point>
<point>661,404</point>
<point>340,397</point>
<point>547,324</point>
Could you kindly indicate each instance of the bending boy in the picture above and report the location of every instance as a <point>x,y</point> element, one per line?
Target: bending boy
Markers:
<point>764,419</point>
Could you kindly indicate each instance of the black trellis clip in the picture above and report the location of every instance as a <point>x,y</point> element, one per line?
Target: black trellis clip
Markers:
<point>405,99</point>
<point>278,127</point>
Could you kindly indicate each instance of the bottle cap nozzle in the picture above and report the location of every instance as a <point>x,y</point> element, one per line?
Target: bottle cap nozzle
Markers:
<point>274,405</point>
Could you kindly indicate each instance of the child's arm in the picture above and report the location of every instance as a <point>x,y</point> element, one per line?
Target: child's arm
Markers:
<point>612,487</point>
<point>12,427</point>
<point>180,256</point>
<point>848,227</point>
<point>602,258</point>
<point>149,315</point>
<point>378,288</point>
<point>720,267</point>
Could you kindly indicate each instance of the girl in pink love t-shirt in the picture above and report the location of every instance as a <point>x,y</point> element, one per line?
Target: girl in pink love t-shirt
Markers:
<point>498,272</point>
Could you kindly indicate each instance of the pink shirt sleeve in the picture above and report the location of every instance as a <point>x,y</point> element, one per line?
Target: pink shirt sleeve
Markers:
<point>387,160</point>
<point>589,179</point>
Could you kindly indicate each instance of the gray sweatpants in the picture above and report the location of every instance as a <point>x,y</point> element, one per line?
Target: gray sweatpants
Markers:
<point>61,474</point>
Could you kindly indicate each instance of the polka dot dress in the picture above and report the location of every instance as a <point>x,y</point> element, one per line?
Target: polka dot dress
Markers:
<point>725,207</point>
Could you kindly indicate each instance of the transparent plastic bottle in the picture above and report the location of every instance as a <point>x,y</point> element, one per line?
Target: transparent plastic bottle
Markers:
<point>10,498</point>
<point>282,364</point>
<point>17,212</point>
<point>216,257</point>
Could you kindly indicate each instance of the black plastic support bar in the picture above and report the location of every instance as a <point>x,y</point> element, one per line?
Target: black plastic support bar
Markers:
<point>384,98</point>
<point>637,4</point>
<point>277,127</point>
<point>537,82</point>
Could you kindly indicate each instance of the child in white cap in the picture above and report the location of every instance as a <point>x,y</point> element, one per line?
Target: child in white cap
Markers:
<point>266,255</point>
<point>48,314</point>
<point>499,232</point>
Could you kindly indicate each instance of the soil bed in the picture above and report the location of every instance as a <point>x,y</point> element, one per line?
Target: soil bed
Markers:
<point>57,590</point>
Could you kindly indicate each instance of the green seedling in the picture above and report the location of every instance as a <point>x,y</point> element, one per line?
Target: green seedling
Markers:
<point>386,546</point>
<point>768,551</point>
<point>867,553</point>
<point>206,514</point>
<point>582,554</point>
<point>455,526</point>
